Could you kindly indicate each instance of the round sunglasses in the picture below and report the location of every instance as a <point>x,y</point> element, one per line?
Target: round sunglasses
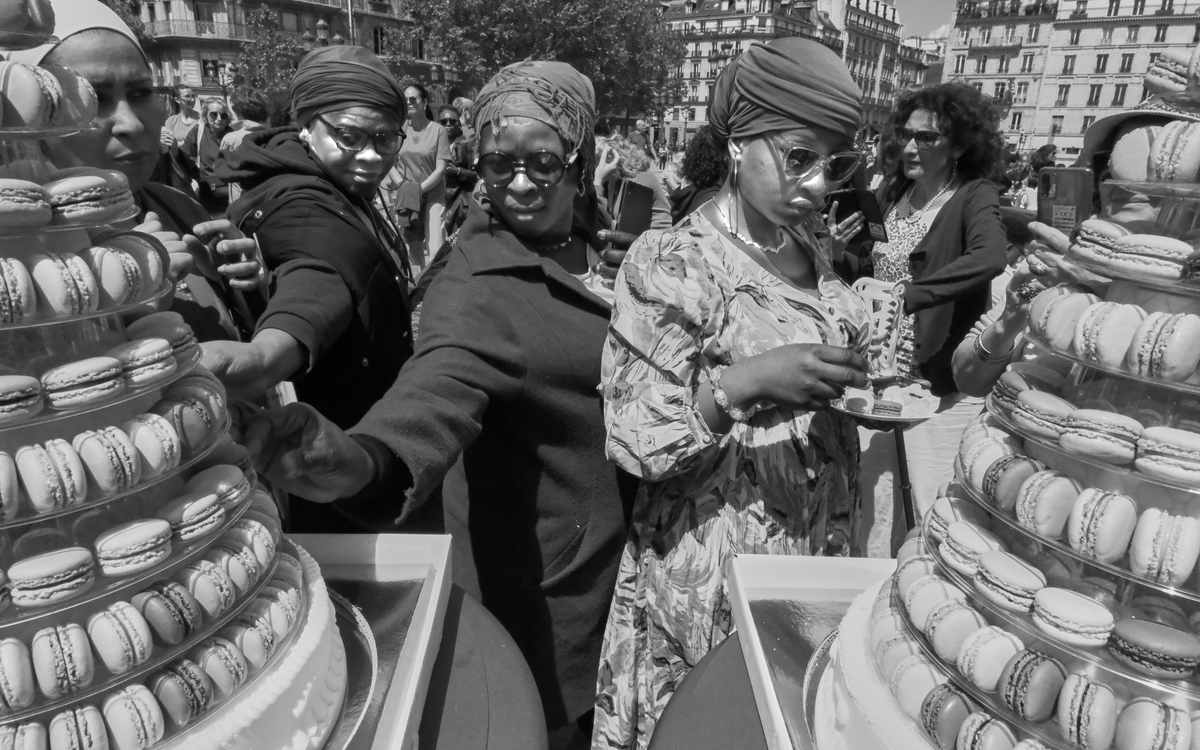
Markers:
<point>799,162</point>
<point>543,169</point>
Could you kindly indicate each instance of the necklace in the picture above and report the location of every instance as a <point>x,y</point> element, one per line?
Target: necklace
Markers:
<point>556,246</point>
<point>747,240</point>
<point>916,214</point>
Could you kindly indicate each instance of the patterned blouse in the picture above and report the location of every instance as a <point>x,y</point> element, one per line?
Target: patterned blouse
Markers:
<point>689,301</point>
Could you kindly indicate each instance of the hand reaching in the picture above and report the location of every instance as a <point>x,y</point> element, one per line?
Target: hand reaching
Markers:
<point>843,231</point>
<point>227,242</point>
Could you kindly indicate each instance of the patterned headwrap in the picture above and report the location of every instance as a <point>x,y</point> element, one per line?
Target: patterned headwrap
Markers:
<point>344,76</point>
<point>72,17</point>
<point>784,84</point>
<point>550,92</point>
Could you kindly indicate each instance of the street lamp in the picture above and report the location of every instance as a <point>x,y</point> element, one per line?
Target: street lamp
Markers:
<point>322,32</point>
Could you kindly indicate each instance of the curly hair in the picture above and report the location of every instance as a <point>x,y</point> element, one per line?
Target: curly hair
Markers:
<point>969,118</point>
<point>633,160</point>
<point>704,163</point>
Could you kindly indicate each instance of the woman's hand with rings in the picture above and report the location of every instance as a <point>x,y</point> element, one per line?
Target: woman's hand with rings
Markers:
<point>802,377</point>
<point>227,242</point>
<point>845,230</point>
<point>1026,283</point>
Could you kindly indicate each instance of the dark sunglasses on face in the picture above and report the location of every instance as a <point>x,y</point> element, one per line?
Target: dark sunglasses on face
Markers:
<point>924,138</point>
<point>349,138</point>
<point>800,162</point>
<point>543,169</point>
<point>218,116</point>
<point>449,122</point>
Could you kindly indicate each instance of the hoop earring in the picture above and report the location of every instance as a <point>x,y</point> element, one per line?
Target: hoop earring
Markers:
<point>736,199</point>
<point>582,189</point>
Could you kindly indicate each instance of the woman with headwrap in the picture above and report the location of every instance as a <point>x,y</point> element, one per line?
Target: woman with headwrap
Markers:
<point>499,399</point>
<point>100,47</point>
<point>730,335</point>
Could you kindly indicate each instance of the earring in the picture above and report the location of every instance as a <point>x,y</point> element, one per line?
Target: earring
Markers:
<point>582,189</point>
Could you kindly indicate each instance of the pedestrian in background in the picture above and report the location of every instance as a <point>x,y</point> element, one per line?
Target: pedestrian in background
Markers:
<point>416,186</point>
<point>460,177</point>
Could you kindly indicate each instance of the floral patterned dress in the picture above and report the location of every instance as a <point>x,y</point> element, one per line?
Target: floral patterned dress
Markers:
<point>891,261</point>
<point>688,302</point>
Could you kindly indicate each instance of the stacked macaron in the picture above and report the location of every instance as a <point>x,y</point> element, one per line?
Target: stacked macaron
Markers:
<point>45,96</point>
<point>25,24</point>
<point>85,196</point>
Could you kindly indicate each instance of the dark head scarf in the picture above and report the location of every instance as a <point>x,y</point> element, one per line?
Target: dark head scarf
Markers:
<point>781,85</point>
<point>341,76</point>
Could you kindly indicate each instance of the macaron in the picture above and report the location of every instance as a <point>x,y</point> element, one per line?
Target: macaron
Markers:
<point>209,585</point>
<point>1044,502</point>
<point>1004,478</point>
<point>911,547</point>
<point>254,637</point>
<point>1164,547</point>
<point>77,101</point>
<point>943,712</point>
<point>912,681</point>
<point>1030,684</point>
<point>170,610</point>
<point>110,459</point>
<point>1087,713</point>
<point>1102,435</point>
<point>947,510</point>
<point>193,515</point>
<point>1104,332</point>
<point>948,626</point>
<point>228,483</point>
<point>191,419</point>
<point>223,663</point>
<point>1166,346</point>
<point>1042,415</point>
<point>169,326</point>
<point>12,495</point>
<point>149,254</point>
<point>20,398</point>
<point>117,273</point>
<point>78,728</point>
<point>1070,617</point>
<point>134,718</point>
<point>121,637</point>
<point>1169,454</point>
<point>52,475</point>
<point>1147,724</point>
<point>51,577</point>
<point>17,689</point>
<point>290,570</point>
<point>1101,524</point>
<point>925,595</point>
<point>1161,610</point>
<point>1155,650</point>
<point>982,431</point>
<point>83,383</point>
<point>28,736</point>
<point>145,362</point>
<point>982,732</point>
<point>911,570</point>
<point>982,455</point>
<point>62,660</point>
<point>1008,581</point>
<point>891,651</point>
<point>133,546</point>
<point>83,195</point>
<point>1054,313</point>
<point>1149,256</point>
<point>255,536</point>
<point>882,624</point>
<point>23,204</point>
<point>237,562</point>
<point>64,285</point>
<point>963,545</point>
<point>18,297</point>
<point>157,444</point>
<point>1096,237</point>
<point>281,602</point>
<point>184,690</point>
<point>984,654</point>
<point>38,541</point>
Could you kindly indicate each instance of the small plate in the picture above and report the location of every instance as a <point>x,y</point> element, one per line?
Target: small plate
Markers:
<point>22,40</point>
<point>902,419</point>
<point>45,131</point>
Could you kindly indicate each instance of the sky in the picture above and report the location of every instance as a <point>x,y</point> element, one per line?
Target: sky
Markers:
<point>921,17</point>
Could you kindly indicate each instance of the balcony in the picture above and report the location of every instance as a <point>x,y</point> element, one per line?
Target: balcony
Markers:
<point>233,32</point>
<point>1001,43</point>
<point>970,12</point>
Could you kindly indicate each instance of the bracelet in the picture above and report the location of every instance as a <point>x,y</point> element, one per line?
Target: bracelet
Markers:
<point>719,395</point>
<point>982,354</point>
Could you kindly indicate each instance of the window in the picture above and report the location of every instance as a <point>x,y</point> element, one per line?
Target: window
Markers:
<point>1101,63</point>
<point>998,90</point>
<point>1056,124</point>
<point>1063,92</point>
<point>1119,94</point>
<point>1094,94</point>
<point>1139,7</point>
<point>1127,63</point>
<point>1196,34</point>
<point>1074,37</point>
<point>1114,7</point>
<point>985,34</point>
<point>1087,123</point>
<point>1106,35</point>
<point>1153,57</point>
<point>695,70</point>
<point>1131,35</point>
<point>981,65</point>
<point>1167,6</point>
<point>379,40</point>
<point>977,86</point>
<point>1027,63</point>
<point>1010,34</point>
<point>1015,122</point>
<point>1002,64</point>
<point>1160,32</point>
<point>1022,93</point>
<point>1068,65</point>
<point>1032,36</point>
<point>166,8</point>
<point>1081,6</point>
<point>151,10</point>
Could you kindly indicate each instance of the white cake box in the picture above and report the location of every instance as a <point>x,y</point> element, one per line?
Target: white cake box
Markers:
<point>375,560</point>
<point>784,608</point>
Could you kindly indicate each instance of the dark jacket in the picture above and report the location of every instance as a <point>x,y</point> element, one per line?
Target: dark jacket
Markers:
<point>687,198</point>
<point>335,287</point>
<point>500,399</point>
<point>952,268</point>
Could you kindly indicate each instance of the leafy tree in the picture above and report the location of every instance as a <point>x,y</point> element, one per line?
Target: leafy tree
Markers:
<point>624,46</point>
<point>268,60</point>
<point>130,13</point>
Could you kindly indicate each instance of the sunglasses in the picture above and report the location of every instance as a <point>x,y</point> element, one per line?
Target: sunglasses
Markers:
<point>218,116</point>
<point>800,162</point>
<point>543,169</point>
<point>354,139</point>
<point>449,122</point>
<point>924,138</point>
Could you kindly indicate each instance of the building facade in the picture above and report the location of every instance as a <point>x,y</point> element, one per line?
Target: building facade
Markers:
<point>1059,67</point>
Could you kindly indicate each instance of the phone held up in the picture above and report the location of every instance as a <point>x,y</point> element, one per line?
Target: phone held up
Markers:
<point>1064,197</point>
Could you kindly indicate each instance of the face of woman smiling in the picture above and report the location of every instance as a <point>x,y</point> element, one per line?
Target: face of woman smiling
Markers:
<point>356,173</point>
<point>537,213</point>
<point>763,184</point>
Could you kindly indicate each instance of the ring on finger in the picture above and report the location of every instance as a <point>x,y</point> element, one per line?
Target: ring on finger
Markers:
<point>1028,290</point>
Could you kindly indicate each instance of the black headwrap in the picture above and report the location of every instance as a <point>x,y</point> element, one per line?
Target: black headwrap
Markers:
<point>342,76</point>
<point>784,84</point>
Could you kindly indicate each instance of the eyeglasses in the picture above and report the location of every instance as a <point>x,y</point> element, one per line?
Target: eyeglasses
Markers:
<point>349,138</point>
<point>800,162</point>
<point>449,122</point>
<point>413,99</point>
<point>924,138</point>
<point>218,116</point>
<point>543,169</point>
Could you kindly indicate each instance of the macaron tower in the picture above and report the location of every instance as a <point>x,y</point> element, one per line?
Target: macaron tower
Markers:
<point>145,586</point>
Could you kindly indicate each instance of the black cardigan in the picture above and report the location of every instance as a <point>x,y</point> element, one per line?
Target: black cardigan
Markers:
<point>952,267</point>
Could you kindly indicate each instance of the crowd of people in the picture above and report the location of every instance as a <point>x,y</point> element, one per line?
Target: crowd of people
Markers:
<point>601,422</point>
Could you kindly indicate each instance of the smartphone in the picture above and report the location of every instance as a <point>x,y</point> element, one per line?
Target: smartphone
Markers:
<point>634,207</point>
<point>850,201</point>
<point>1064,197</point>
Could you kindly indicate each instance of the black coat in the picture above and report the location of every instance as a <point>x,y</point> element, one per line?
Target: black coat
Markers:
<point>500,399</point>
